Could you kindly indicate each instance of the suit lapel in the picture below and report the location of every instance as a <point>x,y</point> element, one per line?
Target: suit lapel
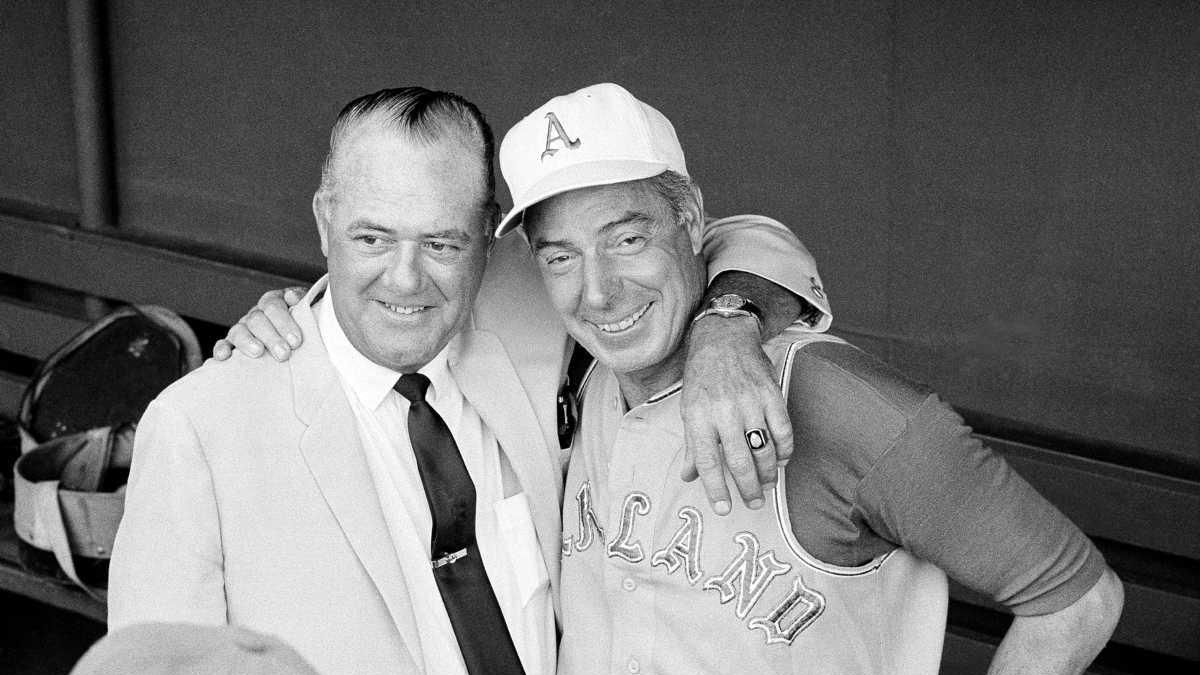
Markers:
<point>489,382</point>
<point>334,454</point>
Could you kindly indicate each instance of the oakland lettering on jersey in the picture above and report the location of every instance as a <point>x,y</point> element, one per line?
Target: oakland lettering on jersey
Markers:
<point>742,582</point>
<point>684,549</point>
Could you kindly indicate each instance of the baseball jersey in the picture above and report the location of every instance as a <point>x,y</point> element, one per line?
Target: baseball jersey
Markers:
<point>654,582</point>
<point>841,572</point>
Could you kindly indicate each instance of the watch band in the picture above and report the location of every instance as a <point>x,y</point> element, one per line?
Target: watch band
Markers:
<point>730,305</point>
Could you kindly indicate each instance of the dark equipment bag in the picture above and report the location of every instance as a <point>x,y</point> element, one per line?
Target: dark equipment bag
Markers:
<point>77,422</point>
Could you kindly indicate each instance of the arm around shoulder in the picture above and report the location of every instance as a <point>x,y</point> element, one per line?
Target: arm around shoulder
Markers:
<point>728,385</point>
<point>766,248</point>
<point>167,560</point>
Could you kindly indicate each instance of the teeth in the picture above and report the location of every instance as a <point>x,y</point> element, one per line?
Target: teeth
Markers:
<point>623,324</point>
<point>404,310</point>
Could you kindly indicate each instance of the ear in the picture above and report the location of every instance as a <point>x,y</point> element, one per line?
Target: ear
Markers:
<point>693,215</point>
<point>493,219</point>
<point>320,207</point>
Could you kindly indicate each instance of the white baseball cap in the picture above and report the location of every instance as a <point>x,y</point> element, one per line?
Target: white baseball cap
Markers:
<point>598,135</point>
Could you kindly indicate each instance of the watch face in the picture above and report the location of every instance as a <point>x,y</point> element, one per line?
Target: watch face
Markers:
<point>728,301</point>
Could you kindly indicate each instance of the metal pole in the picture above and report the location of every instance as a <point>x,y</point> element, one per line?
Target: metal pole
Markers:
<point>93,116</point>
<point>93,124</point>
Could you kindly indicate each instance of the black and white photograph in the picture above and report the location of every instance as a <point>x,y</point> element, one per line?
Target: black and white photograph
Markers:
<point>357,337</point>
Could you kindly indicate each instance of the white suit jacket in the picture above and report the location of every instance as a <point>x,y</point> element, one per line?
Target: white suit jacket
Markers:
<point>250,500</point>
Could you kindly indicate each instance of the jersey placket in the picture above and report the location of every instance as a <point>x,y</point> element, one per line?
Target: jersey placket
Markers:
<point>632,461</point>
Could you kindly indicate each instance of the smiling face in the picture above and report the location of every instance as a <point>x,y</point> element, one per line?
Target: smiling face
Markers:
<point>623,272</point>
<point>405,233</point>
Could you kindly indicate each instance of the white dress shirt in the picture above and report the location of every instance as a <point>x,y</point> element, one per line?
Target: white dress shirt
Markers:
<point>503,526</point>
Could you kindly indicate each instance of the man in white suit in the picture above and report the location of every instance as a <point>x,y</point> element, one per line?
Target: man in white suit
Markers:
<point>285,497</point>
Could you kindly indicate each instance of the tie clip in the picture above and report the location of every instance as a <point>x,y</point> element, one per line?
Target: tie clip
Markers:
<point>449,558</point>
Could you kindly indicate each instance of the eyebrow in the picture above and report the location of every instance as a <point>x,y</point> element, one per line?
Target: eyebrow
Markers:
<point>448,233</point>
<point>627,218</point>
<point>451,234</point>
<point>551,243</point>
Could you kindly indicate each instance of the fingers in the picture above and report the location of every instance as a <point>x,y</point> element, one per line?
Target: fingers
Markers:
<point>268,326</point>
<point>715,437</point>
<point>275,305</point>
<point>281,324</point>
<point>742,464</point>
<point>707,464</point>
<point>766,464</point>
<point>779,424</point>
<point>729,387</point>
<point>293,294</point>
<point>243,340</point>
<point>775,448</point>
<point>263,330</point>
<point>752,469</point>
<point>222,350</point>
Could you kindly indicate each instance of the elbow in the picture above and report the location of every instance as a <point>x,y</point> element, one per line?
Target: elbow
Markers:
<point>1094,616</point>
<point>1106,602</point>
<point>1066,640</point>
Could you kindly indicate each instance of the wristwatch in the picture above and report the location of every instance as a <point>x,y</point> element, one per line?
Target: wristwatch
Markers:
<point>731,305</point>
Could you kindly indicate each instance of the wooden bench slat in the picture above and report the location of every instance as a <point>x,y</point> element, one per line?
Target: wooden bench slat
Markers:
<point>31,331</point>
<point>130,271</point>
<point>1113,502</point>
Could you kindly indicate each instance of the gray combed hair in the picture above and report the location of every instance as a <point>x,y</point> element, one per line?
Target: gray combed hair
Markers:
<point>674,187</point>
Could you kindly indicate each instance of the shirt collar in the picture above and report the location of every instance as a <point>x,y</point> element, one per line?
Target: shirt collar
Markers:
<point>368,380</point>
<point>610,389</point>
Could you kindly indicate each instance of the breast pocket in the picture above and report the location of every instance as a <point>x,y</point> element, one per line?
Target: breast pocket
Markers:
<point>519,540</point>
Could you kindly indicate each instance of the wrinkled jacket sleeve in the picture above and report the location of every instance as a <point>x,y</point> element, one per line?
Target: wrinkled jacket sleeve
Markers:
<point>167,562</point>
<point>768,249</point>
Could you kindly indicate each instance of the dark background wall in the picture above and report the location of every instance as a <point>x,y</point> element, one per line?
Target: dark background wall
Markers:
<point>1004,198</point>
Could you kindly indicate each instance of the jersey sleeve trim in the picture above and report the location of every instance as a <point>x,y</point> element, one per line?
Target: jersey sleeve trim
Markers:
<point>784,522</point>
<point>782,512</point>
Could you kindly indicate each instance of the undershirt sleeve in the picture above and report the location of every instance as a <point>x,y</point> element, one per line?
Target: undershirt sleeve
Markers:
<point>941,494</point>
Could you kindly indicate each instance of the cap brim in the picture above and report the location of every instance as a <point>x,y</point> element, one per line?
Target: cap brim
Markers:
<point>585,174</point>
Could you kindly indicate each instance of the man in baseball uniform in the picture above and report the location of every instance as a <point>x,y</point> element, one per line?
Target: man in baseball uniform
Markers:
<point>887,492</point>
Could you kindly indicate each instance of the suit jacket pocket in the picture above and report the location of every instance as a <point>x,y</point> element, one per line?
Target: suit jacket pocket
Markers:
<point>521,544</point>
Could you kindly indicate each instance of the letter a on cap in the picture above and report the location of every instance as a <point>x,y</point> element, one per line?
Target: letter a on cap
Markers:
<point>555,132</point>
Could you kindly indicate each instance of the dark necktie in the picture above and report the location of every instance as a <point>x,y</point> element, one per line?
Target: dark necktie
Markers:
<point>483,637</point>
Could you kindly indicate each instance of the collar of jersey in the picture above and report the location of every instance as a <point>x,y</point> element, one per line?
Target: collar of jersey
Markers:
<point>613,388</point>
<point>664,394</point>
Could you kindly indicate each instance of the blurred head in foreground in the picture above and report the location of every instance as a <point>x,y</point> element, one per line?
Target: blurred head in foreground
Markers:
<point>190,649</point>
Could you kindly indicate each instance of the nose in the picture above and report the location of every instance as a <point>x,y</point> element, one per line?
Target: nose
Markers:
<point>404,273</point>
<point>600,283</point>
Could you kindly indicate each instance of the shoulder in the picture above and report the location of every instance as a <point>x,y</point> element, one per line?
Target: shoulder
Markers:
<point>831,382</point>
<point>223,392</point>
<point>849,411</point>
<point>233,374</point>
